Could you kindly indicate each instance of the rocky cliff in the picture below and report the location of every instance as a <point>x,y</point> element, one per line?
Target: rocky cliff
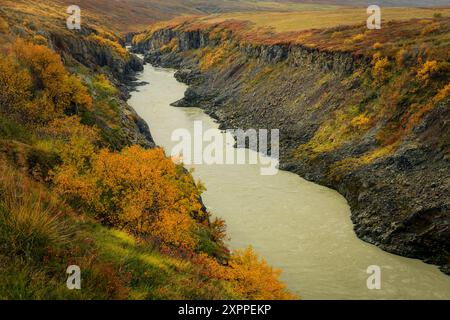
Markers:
<point>121,70</point>
<point>86,53</point>
<point>340,126</point>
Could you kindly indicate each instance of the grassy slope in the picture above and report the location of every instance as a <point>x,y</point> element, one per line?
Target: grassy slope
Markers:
<point>41,236</point>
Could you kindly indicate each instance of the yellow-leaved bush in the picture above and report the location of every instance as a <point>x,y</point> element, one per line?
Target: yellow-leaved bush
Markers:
<point>138,190</point>
<point>35,87</point>
<point>248,276</point>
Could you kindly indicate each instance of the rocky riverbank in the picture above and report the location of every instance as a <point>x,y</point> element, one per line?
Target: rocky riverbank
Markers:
<point>398,193</point>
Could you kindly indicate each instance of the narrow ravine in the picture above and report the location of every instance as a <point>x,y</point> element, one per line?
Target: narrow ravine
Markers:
<point>298,226</point>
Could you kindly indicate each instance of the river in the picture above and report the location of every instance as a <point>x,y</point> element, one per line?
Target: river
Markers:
<point>298,226</point>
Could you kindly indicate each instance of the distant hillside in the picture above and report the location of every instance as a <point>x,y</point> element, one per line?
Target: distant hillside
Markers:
<point>133,15</point>
<point>136,15</point>
<point>391,3</point>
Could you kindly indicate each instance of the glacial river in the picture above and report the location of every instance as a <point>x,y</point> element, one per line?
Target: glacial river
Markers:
<point>298,226</point>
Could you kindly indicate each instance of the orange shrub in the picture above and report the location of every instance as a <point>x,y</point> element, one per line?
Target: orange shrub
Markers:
<point>15,86</point>
<point>432,69</point>
<point>212,57</point>
<point>139,190</point>
<point>358,38</point>
<point>430,29</point>
<point>254,278</point>
<point>249,277</point>
<point>380,68</point>
<point>172,46</point>
<point>35,87</point>
<point>109,43</point>
<point>360,121</point>
<point>444,93</point>
<point>377,45</point>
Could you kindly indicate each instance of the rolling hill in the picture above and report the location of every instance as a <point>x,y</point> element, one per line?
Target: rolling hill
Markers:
<point>135,15</point>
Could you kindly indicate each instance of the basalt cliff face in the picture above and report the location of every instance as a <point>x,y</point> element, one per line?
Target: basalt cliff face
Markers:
<point>337,128</point>
<point>122,70</point>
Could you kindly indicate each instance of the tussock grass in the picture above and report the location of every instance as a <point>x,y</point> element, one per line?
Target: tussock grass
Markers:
<point>29,224</point>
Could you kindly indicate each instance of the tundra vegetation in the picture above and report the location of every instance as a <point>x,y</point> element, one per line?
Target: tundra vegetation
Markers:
<point>80,186</point>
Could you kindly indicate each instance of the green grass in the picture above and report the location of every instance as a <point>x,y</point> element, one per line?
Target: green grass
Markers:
<point>10,129</point>
<point>40,237</point>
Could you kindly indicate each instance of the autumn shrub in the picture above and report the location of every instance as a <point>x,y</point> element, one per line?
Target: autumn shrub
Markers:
<point>109,43</point>
<point>254,278</point>
<point>248,276</point>
<point>360,121</point>
<point>171,46</point>
<point>377,45</point>
<point>4,27</point>
<point>212,57</point>
<point>139,190</point>
<point>358,38</point>
<point>430,29</point>
<point>15,86</point>
<point>355,39</point>
<point>380,70</point>
<point>35,86</point>
<point>432,69</point>
<point>49,77</point>
<point>442,94</point>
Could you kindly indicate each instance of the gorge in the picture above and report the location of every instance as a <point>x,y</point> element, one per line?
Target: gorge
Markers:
<point>340,126</point>
<point>298,226</point>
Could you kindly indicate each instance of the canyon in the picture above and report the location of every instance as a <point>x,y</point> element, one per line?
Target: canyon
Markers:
<point>398,193</point>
